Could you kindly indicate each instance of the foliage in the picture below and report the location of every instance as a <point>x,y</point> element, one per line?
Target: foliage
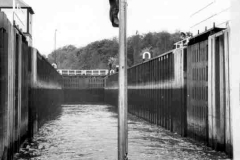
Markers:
<point>96,55</point>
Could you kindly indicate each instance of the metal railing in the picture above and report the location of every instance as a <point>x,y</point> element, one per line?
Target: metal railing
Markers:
<point>96,72</point>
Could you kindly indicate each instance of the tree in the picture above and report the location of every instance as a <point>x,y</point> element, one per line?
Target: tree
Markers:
<point>96,54</point>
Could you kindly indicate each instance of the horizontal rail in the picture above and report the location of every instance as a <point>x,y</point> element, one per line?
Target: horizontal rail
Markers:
<point>96,72</point>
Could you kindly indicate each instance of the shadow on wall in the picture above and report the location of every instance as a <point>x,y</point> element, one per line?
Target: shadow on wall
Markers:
<point>44,103</point>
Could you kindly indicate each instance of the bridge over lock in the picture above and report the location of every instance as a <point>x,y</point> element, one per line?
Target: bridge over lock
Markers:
<point>176,90</point>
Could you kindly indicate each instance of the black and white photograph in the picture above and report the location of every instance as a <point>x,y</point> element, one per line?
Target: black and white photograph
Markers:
<point>119,80</point>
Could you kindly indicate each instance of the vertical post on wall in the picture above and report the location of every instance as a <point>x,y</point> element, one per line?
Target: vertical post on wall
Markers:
<point>228,130</point>
<point>34,68</point>
<point>122,99</point>
<point>234,76</point>
<point>20,66</point>
<point>210,80</point>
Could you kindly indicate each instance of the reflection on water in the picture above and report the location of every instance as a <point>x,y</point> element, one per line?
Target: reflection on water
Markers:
<point>89,132</point>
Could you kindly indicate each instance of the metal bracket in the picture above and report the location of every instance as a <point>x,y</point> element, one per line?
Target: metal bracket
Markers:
<point>126,156</point>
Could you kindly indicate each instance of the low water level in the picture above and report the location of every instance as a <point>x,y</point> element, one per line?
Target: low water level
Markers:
<point>89,132</point>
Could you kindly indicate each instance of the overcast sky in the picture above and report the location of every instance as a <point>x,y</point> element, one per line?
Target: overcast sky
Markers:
<point>80,22</point>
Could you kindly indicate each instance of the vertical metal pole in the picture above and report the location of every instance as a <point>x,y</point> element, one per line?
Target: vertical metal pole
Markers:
<point>55,47</point>
<point>14,6</point>
<point>122,99</point>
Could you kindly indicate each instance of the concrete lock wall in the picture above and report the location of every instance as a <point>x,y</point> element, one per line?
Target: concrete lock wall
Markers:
<point>156,91</point>
<point>28,89</point>
<point>45,94</point>
<point>219,119</point>
<point>208,116</point>
<point>14,88</point>
<point>185,90</point>
<point>83,89</point>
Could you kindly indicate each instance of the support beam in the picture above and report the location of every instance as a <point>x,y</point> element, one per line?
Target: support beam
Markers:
<point>122,99</point>
<point>234,76</point>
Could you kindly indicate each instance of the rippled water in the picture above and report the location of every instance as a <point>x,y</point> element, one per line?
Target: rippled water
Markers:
<point>89,132</point>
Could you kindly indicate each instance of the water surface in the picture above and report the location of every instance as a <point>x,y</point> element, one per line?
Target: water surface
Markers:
<point>89,132</point>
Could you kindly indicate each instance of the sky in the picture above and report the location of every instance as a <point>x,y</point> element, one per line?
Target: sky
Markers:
<point>80,22</point>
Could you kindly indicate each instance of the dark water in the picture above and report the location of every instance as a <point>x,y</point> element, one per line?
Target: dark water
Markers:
<point>89,132</point>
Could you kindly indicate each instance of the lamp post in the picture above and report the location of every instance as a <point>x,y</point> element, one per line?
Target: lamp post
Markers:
<point>55,47</point>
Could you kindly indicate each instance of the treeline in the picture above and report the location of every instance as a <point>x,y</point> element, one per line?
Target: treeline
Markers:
<point>98,54</point>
